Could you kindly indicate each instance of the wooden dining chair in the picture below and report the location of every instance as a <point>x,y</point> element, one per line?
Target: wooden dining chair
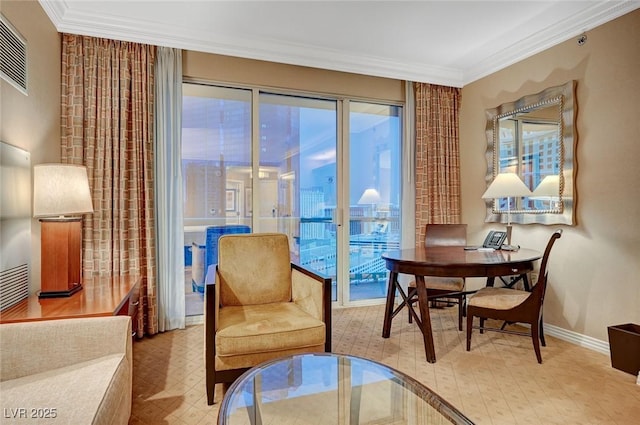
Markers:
<point>451,288</point>
<point>513,306</point>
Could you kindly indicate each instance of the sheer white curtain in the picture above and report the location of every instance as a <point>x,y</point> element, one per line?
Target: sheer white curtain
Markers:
<point>168,188</point>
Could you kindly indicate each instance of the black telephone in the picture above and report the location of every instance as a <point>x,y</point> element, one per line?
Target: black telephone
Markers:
<point>494,239</point>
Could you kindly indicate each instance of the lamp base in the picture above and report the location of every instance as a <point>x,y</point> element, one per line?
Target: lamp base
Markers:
<point>60,257</point>
<point>60,294</point>
<point>510,247</point>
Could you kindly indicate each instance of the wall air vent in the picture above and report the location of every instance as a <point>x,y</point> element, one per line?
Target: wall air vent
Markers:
<point>13,59</point>
<point>14,285</point>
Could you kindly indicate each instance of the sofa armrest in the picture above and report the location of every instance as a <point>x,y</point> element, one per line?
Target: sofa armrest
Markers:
<point>312,292</point>
<point>34,347</point>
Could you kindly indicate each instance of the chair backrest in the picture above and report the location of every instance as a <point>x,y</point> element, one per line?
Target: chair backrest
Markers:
<point>445,234</point>
<point>541,284</point>
<point>254,268</point>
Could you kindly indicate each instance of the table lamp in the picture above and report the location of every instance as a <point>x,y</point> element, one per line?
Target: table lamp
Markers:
<point>60,196</point>
<point>507,185</point>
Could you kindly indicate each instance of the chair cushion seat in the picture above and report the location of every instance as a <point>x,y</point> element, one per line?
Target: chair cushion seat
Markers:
<point>442,283</point>
<point>263,328</point>
<point>498,298</point>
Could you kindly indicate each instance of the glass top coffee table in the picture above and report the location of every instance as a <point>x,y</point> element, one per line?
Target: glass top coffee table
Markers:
<point>327,388</point>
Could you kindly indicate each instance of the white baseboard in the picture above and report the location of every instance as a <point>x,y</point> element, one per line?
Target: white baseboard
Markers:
<point>194,320</point>
<point>577,339</point>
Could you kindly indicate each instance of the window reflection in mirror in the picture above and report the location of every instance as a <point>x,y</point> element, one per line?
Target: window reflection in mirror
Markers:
<point>533,137</point>
<point>530,147</point>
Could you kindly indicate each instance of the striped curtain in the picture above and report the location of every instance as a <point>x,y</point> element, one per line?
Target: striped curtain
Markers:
<point>107,125</point>
<point>437,156</point>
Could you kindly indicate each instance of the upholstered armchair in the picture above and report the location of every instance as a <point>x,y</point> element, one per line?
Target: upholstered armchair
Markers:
<point>260,307</point>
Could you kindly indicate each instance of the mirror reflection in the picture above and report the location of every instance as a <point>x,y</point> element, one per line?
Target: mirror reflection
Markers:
<point>533,138</point>
<point>529,144</point>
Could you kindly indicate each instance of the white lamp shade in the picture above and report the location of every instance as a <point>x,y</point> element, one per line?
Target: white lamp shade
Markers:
<point>60,189</point>
<point>548,188</point>
<point>370,196</point>
<point>506,185</point>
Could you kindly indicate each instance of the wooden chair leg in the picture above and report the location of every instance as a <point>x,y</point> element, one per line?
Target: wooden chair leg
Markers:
<point>211,385</point>
<point>469,328</point>
<point>482,325</point>
<point>460,311</point>
<point>410,295</point>
<point>544,343</point>
<point>535,337</point>
<point>225,387</point>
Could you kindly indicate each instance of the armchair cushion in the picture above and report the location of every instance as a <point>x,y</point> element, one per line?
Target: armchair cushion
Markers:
<point>266,328</point>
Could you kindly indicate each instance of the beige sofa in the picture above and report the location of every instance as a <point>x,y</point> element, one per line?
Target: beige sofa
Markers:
<point>73,371</point>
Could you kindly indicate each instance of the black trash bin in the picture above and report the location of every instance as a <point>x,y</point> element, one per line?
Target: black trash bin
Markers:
<point>624,344</point>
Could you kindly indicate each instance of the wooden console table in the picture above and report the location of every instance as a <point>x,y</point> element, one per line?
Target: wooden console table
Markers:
<point>100,296</point>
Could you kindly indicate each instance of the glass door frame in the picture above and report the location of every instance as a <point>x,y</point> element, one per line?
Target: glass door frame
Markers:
<point>343,211</point>
<point>341,217</point>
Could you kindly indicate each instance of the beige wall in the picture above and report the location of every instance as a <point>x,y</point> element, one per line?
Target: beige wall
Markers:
<point>32,122</point>
<point>230,70</point>
<point>595,266</point>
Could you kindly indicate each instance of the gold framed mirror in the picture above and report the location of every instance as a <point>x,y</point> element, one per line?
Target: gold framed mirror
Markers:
<point>534,137</point>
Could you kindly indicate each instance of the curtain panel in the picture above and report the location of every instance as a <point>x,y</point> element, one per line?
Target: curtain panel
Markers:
<point>168,189</point>
<point>437,171</point>
<point>107,125</point>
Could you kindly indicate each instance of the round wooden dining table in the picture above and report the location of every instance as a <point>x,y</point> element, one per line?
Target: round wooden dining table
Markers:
<point>446,261</point>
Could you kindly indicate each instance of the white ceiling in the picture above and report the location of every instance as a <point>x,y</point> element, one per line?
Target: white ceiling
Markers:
<point>442,42</point>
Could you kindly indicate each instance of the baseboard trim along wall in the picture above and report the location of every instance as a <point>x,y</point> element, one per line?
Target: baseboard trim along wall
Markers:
<point>577,339</point>
<point>194,320</point>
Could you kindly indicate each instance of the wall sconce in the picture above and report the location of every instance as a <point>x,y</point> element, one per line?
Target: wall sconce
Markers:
<point>507,185</point>
<point>60,195</point>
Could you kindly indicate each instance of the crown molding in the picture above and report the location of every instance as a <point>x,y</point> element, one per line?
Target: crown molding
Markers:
<point>81,22</point>
<point>71,21</point>
<point>596,15</point>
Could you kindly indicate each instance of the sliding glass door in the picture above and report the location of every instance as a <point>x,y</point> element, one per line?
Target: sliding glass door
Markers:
<point>375,141</point>
<point>216,164</point>
<point>298,177</point>
<point>324,171</point>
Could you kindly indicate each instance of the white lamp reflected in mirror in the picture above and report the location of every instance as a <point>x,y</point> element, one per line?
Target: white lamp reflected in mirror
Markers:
<point>370,197</point>
<point>507,185</point>
<point>548,190</point>
<point>60,196</point>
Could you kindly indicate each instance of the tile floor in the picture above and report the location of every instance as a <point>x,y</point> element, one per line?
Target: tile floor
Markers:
<point>498,382</point>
